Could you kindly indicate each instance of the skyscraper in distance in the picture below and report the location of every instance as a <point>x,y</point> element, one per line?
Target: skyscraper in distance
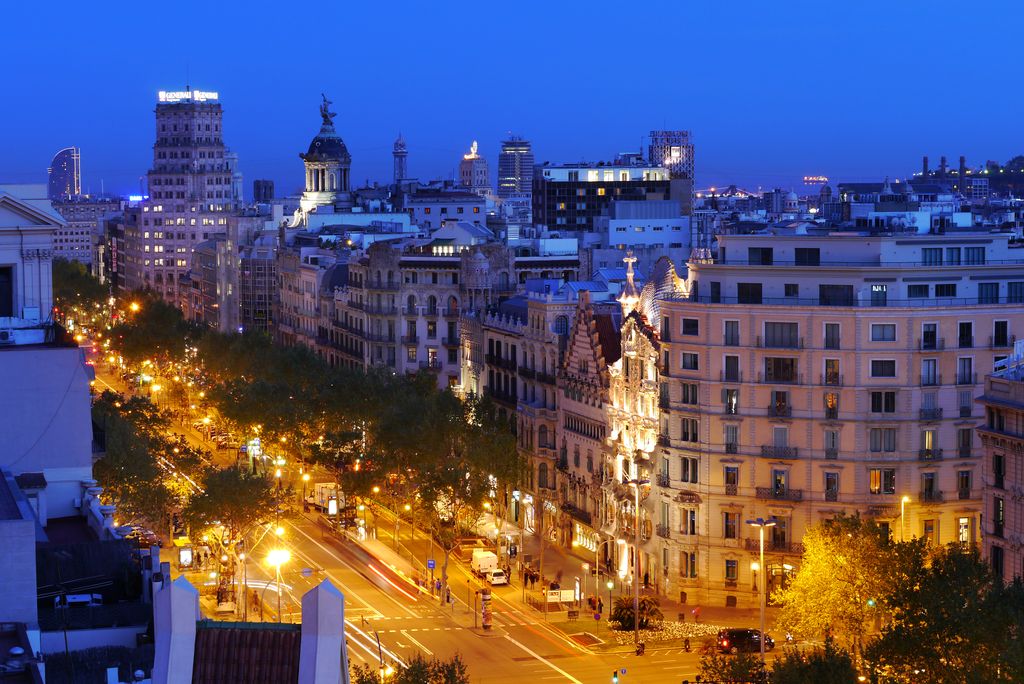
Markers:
<point>65,174</point>
<point>473,172</point>
<point>515,167</point>
<point>673,150</point>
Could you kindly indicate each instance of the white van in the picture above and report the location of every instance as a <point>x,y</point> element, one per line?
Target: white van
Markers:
<point>484,562</point>
<point>497,577</point>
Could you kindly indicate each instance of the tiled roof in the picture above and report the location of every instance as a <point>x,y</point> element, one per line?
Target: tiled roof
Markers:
<point>246,653</point>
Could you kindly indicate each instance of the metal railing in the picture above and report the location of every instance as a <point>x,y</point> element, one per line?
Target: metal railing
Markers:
<point>663,480</point>
<point>763,343</point>
<point>933,380</point>
<point>963,494</point>
<point>929,454</point>
<point>1001,341</point>
<point>831,454</point>
<point>831,495</point>
<point>780,410</point>
<point>770,451</point>
<point>795,379</point>
<point>965,341</point>
<point>731,490</point>
<point>451,341</point>
<point>963,452</point>
<point>967,378</point>
<point>931,413</point>
<point>779,493</point>
<point>662,531</point>
<point>731,377</point>
<point>835,379</point>
<point>933,496</point>
<point>386,285</point>
<point>931,344</point>
<point>410,339</point>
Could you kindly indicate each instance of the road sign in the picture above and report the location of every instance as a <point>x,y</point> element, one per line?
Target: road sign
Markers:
<point>307,572</point>
<point>431,563</point>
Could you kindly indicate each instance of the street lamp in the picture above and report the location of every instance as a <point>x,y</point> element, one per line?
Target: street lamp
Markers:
<point>903,505</point>
<point>305,481</point>
<point>636,482</point>
<point>760,524</point>
<point>277,558</point>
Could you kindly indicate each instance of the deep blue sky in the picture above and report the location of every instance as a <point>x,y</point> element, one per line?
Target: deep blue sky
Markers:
<point>771,90</point>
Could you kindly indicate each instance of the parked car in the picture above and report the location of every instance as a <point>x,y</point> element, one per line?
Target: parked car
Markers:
<point>745,640</point>
<point>496,577</point>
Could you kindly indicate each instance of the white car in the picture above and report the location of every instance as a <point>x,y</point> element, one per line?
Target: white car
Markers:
<point>497,577</point>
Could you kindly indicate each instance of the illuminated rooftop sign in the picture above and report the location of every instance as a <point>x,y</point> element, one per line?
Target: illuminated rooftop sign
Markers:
<point>185,95</point>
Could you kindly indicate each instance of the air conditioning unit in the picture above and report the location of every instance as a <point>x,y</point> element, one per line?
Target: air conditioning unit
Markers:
<point>6,336</point>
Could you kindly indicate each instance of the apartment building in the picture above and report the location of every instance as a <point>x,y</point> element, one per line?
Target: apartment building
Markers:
<point>1002,438</point>
<point>804,376</point>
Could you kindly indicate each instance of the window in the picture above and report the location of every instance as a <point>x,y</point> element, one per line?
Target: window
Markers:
<point>988,293</point>
<point>732,333</point>
<point>729,525</point>
<point>963,483</point>
<point>998,515</point>
<point>1001,334</point>
<point>689,521</point>
<point>688,465</point>
<point>731,567</point>
<point>782,335</point>
<point>410,353</point>
<point>731,399</point>
<point>831,486</point>
<point>965,371</point>
<point>883,332</point>
<point>688,564</point>
<point>732,476</point>
<point>748,293</point>
<point>780,369</point>
<point>945,290</point>
<point>732,369</point>
<point>831,405</point>
<point>883,368</point>
<point>974,256</point>
<point>689,393</point>
<point>832,376</point>
<point>882,439</point>
<point>732,439</point>
<point>882,480</point>
<point>691,326</point>
<point>879,295</point>
<point>998,470</point>
<point>835,295</point>
<point>917,291</point>
<point>792,289</point>
<point>779,479</point>
<point>760,256</point>
<point>1015,293</point>
<point>831,440</point>
<point>931,256</point>
<point>929,532</point>
<point>964,438</point>
<point>832,336</point>
<point>883,402</point>
<point>690,361</point>
<point>807,256</point>
<point>963,530</point>
<point>953,256</point>
<point>689,428</point>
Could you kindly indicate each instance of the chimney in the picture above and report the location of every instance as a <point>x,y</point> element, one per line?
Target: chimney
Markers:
<point>323,636</point>
<point>963,173</point>
<point>924,166</point>
<point>175,612</point>
<point>942,166</point>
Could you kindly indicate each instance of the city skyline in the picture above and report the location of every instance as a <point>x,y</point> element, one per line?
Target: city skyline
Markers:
<point>763,115</point>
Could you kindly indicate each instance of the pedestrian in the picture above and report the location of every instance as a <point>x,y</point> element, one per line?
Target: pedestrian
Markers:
<point>600,606</point>
<point>696,614</point>
<point>647,580</point>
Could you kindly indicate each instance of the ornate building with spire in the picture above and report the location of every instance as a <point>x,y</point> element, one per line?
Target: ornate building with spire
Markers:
<point>473,172</point>
<point>401,154</point>
<point>328,166</point>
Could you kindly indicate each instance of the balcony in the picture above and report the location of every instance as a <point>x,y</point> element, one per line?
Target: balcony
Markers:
<point>384,285</point>
<point>410,311</point>
<point>831,453</point>
<point>963,494</point>
<point>449,312</point>
<point>831,495</point>
<point>731,377</point>
<point>577,513</point>
<point>831,413</point>
<point>797,379</point>
<point>768,451</point>
<point>451,341</point>
<point>929,455</point>
<point>931,496</point>
<point>931,414</point>
<point>432,364</point>
<point>527,372</point>
<point>780,410</point>
<point>967,378</point>
<point>431,312</point>
<point>663,480</point>
<point>773,545</point>
<point>731,341</point>
<point>966,341</point>
<point>779,493</point>
<point>1001,341</point>
<point>731,489</point>
<point>410,339</point>
<point>933,380</point>
<point>730,584</point>
<point>931,343</point>
<point>546,378</point>
<point>834,379</point>
<point>732,448</point>
<point>662,531</point>
<point>381,310</point>
<point>966,411</point>
<point>963,452</point>
<point>380,337</point>
<point>796,343</point>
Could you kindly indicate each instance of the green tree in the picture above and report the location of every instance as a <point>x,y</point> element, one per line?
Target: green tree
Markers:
<point>76,293</point>
<point>156,331</point>
<point>1015,165</point>
<point>451,671</point>
<point>647,607</point>
<point>232,497</point>
<point>945,621</point>
<point>742,668</point>
<point>847,567</point>
<point>828,665</point>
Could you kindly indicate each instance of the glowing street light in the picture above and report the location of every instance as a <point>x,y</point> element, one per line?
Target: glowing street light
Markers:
<point>277,558</point>
<point>903,505</point>
<point>134,307</point>
<point>760,524</point>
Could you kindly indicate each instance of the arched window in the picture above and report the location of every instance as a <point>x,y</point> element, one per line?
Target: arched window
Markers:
<point>542,476</point>
<point>432,305</point>
<point>542,436</point>
<point>410,304</point>
<point>453,303</point>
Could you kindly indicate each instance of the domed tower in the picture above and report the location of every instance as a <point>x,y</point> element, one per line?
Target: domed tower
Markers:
<point>327,166</point>
<point>791,205</point>
<point>400,153</point>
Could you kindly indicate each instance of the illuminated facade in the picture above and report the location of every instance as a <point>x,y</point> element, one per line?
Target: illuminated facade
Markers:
<point>473,172</point>
<point>193,188</point>
<point>328,167</point>
<point>674,151</point>
<point>515,167</point>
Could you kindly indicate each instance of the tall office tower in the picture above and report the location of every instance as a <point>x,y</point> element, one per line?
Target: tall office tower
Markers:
<point>65,174</point>
<point>262,191</point>
<point>473,172</point>
<point>401,155</point>
<point>193,186</point>
<point>515,167</point>
<point>673,150</point>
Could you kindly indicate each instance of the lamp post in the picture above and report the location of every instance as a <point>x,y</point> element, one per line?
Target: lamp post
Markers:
<point>278,557</point>
<point>903,506</point>
<point>760,524</point>
<point>305,481</point>
<point>636,482</point>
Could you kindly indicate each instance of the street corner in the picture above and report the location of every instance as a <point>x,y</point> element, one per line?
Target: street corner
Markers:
<point>488,633</point>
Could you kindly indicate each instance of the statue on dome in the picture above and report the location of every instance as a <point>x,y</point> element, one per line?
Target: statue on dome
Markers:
<point>325,111</point>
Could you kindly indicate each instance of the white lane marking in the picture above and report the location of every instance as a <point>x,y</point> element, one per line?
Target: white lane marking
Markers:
<point>413,640</point>
<point>549,664</point>
<point>338,581</point>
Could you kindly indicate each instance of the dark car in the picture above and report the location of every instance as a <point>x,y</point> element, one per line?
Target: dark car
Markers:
<point>746,640</point>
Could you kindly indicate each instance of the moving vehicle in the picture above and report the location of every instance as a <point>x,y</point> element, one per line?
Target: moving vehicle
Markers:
<point>743,640</point>
<point>496,577</point>
<point>484,562</point>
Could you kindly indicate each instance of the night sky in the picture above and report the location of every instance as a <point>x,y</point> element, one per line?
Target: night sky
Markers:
<point>772,91</point>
